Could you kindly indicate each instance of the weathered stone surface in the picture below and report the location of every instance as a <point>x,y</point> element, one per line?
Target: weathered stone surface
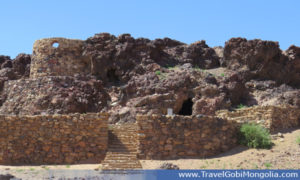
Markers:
<point>6,64</point>
<point>4,58</point>
<point>273,118</point>
<point>139,75</point>
<point>21,65</point>
<point>53,95</point>
<point>263,59</point>
<point>184,136</point>
<point>266,93</point>
<point>117,59</point>
<point>51,139</point>
<point>65,60</point>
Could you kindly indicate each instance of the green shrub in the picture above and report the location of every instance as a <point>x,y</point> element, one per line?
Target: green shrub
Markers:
<point>241,106</point>
<point>254,136</point>
<point>158,73</point>
<point>268,165</point>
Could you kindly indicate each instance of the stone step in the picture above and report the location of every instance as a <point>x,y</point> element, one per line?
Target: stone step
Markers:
<point>123,141</point>
<point>123,138</point>
<point>128,134</point>
<point>123,131</point>
<point>123,159</point>
<point>122,152</point>
<point>121,156</point>
<point>118,151</point>
<point>121,146</point>
<point>122,162</point>
<point>126,139</point>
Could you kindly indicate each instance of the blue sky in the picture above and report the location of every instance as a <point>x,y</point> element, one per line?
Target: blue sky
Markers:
<point>216,21</point>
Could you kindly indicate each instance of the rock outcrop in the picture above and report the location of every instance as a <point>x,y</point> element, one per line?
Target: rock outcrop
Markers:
<point>126,76</point>
<point>117,59</point>
<point>53,95</point>
<point>263,60</point>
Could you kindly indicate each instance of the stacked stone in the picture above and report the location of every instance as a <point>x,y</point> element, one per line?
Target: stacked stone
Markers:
<point>165,137</point>
<point>64,60</point>
<point>285,117</point>
<point>259,114</point>
<point>53,139</point>
<point>273,118</point>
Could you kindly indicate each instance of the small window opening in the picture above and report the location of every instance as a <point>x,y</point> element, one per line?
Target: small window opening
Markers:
<point>187,108</point>
<point>112,76</point>
<point>55,45</point>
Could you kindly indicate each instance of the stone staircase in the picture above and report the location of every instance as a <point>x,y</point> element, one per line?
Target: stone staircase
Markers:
<point>122,148</point>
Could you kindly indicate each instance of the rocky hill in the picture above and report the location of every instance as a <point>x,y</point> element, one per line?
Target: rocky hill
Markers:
<point>125,76</point>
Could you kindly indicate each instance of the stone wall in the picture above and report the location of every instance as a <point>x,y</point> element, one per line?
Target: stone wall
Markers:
<point>273,118</point>
<point>65,60</point>
<point>53,139</point>
<point>168,137</point>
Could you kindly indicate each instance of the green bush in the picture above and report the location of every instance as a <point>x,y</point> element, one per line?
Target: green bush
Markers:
<point>158,73</point>
<point>254,136</point>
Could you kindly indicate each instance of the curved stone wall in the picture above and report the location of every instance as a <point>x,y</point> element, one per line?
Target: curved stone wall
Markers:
<point>58,57</point>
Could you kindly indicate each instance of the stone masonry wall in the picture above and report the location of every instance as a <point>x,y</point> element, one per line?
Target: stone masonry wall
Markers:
<point>65,60</point>
<point>53,139</point>
<point>168,137</point>
<point>273,118</point>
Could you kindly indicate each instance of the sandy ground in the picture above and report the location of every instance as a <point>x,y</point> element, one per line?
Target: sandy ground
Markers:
<point>285,154</point>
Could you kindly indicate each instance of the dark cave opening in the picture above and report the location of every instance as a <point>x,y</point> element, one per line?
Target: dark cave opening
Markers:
<point>187,108</point>
<point>112,76</point>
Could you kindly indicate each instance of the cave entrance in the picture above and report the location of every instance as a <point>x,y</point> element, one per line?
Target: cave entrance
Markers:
<point>187,108</point>
<point>112,76</point>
